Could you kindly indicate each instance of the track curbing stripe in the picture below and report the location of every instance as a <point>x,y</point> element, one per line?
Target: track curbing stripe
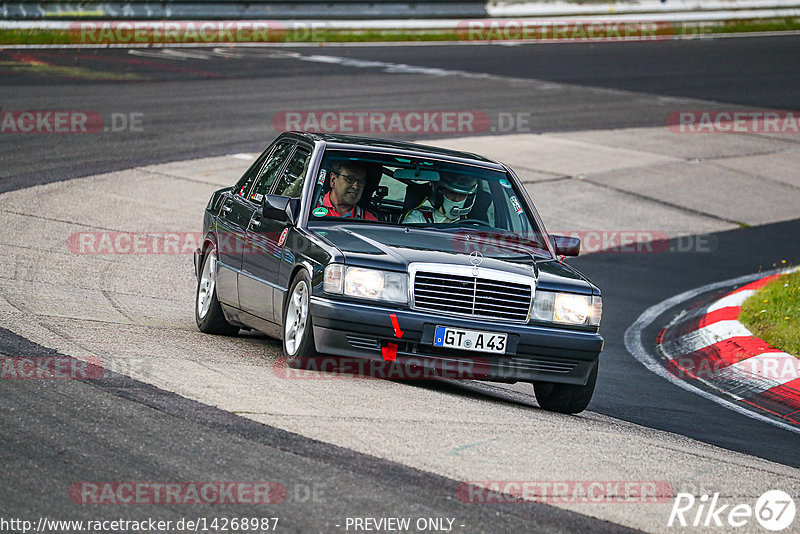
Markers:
<point>716,349</point>
<point>636,347</point>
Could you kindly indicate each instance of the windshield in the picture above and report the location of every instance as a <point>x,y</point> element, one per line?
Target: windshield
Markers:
<point>483,205</point>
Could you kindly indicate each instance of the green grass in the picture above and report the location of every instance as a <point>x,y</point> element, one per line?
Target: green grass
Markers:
<point>756,25</point>
<point>322,35</point>
<point>13,37</point>
<point>773,313</point>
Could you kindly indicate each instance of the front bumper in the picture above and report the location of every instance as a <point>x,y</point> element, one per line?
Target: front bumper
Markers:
<point>534,353</point>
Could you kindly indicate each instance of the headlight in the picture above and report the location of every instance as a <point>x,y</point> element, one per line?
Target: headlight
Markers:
<point>567,308</point>
<point>366,283</point>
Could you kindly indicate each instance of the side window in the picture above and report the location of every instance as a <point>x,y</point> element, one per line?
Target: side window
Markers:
<point>270,171</point>
<point>291,183</point>
<point>246,181</point>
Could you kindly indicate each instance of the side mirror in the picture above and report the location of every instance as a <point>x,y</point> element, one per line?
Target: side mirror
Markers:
<point>280,208</point>
<point>566,246</point>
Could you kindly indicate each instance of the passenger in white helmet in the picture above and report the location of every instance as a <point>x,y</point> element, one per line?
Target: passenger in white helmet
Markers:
<point>450,200</point>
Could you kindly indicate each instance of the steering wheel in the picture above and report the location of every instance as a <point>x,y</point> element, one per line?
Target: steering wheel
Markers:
<point>475,221</point>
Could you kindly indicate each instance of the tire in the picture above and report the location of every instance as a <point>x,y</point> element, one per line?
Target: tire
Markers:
<point>207,309</point>
<point>565,398</point>
<point>298,329</point>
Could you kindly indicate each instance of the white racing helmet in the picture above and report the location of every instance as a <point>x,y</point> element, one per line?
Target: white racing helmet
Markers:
<point>461,184</point>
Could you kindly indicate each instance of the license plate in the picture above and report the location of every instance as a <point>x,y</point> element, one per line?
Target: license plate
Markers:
<point>458,338</point>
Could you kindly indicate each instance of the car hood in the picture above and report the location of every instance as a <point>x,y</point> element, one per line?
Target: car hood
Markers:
<point>394,248</point>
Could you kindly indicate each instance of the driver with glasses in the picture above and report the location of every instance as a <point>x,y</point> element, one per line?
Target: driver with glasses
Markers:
<point>347,186</point>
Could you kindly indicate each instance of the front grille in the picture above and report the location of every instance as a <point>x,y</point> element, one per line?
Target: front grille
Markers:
<point>465,294</point>
<point>543,365</point>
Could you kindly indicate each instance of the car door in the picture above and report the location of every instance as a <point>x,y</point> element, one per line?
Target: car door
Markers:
<point>253,291</point>
<point>234,215</point>
<point>266,238</point>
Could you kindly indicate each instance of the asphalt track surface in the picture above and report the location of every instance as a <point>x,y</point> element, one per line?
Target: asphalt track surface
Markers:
<point>198,103</point>
<point>55,433</point>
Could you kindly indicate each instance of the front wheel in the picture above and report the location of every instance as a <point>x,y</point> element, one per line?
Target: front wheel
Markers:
<point>565,398</point>
<point>207,310</point>
<point>298,329</point>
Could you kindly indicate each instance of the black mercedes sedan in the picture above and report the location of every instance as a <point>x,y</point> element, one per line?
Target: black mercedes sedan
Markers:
<point>374,250</point>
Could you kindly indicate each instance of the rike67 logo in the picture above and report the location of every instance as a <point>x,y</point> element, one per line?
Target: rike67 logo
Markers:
<point>774,510</point>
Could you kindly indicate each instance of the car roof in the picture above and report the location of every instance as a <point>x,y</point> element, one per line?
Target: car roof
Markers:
<point>352,142</point>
